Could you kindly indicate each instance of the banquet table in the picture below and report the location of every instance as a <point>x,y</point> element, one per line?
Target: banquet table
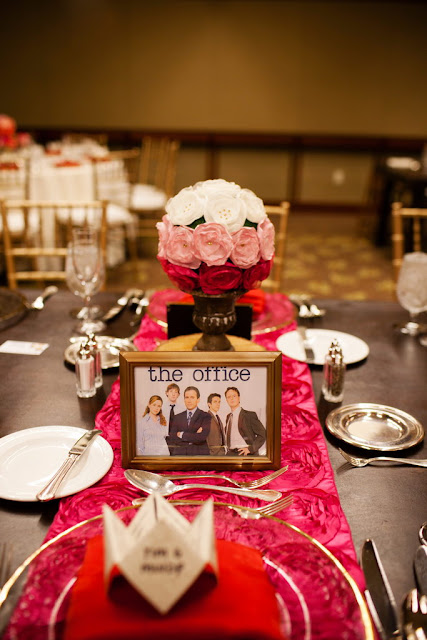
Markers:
<point>385,503</point>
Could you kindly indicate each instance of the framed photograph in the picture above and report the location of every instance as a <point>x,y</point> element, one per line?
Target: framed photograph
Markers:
<point>200,410</point>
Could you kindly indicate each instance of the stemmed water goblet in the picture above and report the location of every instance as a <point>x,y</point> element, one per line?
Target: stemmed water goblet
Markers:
<point>411,291</point>
<point>86,274</point>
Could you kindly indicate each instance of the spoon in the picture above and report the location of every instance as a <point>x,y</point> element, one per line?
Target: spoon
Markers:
<point>151,482</point>
<point>422,534</point>
<point>415,616</point>
<point>38,303</point>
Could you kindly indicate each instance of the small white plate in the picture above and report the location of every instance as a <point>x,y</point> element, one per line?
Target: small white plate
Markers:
<point>354,349</point>
<point>29,458</point>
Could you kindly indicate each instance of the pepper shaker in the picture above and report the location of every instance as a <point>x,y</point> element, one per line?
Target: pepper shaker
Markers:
<point>334,374</point>
<point>96,353</point>
<point>85,372</point>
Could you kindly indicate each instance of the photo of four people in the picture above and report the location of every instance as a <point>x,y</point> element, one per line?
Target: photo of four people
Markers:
<point>170,427</point>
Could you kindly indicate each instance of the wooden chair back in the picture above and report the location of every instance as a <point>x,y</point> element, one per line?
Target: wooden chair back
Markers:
<point>47,231</point>
<point>407,226</point>
<point>158,163</point>
<point>279,217</point>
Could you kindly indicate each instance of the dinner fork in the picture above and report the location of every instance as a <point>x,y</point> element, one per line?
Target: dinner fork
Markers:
<point>362,462</point>
<point>251,484</point>
<point>266,510</point>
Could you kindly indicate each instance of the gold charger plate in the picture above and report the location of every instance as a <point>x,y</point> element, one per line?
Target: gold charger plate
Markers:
<point>317,597</point>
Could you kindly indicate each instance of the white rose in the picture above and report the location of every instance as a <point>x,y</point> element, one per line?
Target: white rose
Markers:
<point>214,187</point>
<point>186,207</point>
<point>226,210</point>
<point>255,211</point>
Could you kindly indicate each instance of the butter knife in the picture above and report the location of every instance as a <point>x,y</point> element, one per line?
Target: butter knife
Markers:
<point>420,566</point>
<point>309,353</point>
<point>379,595</point>
<point>121,304</point>
<point>48,492</point>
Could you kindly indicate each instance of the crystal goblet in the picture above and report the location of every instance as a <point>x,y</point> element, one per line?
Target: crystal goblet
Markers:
<point>411,291</point>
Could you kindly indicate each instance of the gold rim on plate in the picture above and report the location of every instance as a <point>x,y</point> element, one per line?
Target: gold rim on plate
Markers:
<point>364,613</point>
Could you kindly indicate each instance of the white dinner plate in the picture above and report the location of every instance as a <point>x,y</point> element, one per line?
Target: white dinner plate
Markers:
<point>29,458</point>
<point>354,349</point>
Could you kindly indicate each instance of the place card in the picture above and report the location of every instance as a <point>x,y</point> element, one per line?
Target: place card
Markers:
<point>22,347</point>
<point>160,553</point>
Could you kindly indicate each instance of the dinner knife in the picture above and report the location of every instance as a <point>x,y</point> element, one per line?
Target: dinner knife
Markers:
<point>48,492</point>
<point>420,566</point>
<point>121,304</point>
<point>379,595</point>
<point>309,353</point>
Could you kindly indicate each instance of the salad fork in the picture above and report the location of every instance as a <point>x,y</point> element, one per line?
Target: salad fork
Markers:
<point>362,462</point>
<point>265,510</point>
<point>251,484</point>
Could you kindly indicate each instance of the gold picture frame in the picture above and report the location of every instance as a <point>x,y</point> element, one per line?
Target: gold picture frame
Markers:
<point>249,388</point>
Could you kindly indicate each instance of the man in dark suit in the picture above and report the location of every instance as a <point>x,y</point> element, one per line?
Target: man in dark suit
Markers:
<point>190,428</point>
<point>216,437</point>
<point>244,432</point>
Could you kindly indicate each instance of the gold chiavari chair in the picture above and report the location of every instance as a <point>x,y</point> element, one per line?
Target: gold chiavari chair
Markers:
<point>155,183</point>
<point>40,253</point>
<point>413,218</point>
<point>279,217</point>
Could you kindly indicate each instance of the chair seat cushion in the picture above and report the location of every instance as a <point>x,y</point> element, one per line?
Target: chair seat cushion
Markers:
<point>147,197</point>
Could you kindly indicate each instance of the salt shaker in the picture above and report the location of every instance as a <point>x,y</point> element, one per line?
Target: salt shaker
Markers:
<point>96,353</point>
<point>333,374</point>
<point>85,372</point>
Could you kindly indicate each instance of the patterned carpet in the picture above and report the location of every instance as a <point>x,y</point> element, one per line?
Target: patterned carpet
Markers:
<point>327,256</point>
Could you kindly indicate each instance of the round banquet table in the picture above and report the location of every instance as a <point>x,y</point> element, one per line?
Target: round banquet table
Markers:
<point>386,503</point>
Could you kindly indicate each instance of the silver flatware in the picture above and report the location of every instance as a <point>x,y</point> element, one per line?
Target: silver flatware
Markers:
<point>151,482</point>
<point>121,304</point>
<point>422,533</point>
<point>309,353</point>
<point>251,484</point>
<point>38,303</point>
<point>362,462</point>
<point>48,492</point>
<point>414,610</point>
<point>266,510</point>
<point>379,595</point>
<point>140,310</point>
<point>420,568</point>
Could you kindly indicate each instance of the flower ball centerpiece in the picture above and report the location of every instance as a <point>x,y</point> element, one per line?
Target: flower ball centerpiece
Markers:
<point>215,242</point>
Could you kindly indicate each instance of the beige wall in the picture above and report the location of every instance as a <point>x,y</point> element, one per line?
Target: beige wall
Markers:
<point>266,66</point>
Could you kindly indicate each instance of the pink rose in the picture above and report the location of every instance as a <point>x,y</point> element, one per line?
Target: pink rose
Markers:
<point>164,228</point>
<point>179,248</point>
<point>217,279</point>
<point>266,233</point>
<point>253,276</point>
<point>212,243</point>
<point>7,125</point>
<point>246,251</point>
<point>184,278</point>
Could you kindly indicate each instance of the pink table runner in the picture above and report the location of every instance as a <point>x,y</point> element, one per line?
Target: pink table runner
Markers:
<point>316,509</point>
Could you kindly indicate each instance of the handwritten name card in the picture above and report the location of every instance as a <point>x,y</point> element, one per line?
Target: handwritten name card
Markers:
<point>160,553</point>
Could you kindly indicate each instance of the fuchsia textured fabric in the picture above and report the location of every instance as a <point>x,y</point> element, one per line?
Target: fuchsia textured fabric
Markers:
<point>316,508</point>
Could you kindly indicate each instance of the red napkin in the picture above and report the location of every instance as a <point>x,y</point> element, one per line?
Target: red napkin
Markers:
<point>255,297</point>
<point>241,606</point>
<point>67,163</point>
<point>9,166</point>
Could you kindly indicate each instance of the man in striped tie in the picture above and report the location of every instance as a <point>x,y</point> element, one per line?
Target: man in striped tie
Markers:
<point>190,428</point>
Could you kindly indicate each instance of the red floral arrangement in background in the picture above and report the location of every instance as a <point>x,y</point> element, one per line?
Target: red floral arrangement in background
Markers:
<point>9,137</point>
<point>216,237</point>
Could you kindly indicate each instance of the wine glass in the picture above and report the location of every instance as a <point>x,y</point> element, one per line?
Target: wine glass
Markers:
<point>86,273</point>
<point>411,290</point>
